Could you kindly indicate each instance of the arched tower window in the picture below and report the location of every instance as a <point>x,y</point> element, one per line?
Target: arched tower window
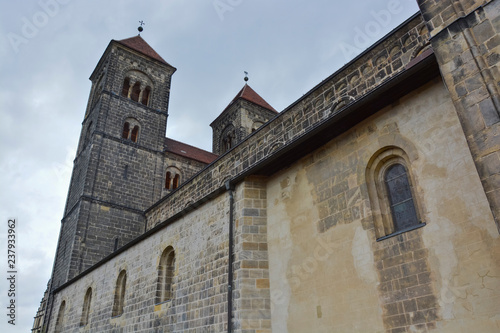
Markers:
<point>175,182</point>
<point>135,133</point>
<point>136,91</point>
<point>131,129</point>
<point>166,270</point>
<point>172,178</point>
<point>168,180</point>
<point>86,307</point>
<point>119,299</point>
<point>126,87</point>
<point>60,318</point>
<point>145,95</point>
<point>126,130</point>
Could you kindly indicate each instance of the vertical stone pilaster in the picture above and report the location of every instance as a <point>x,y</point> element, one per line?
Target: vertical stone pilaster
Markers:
<point>465,37</point>
<point>251,293</point>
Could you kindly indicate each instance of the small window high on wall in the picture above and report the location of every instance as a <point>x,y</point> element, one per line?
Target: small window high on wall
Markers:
<point>393,197</point>
<point>172,178</point>
<point>86,307</point>
<point>126,87</point>
<point>119,299</point>
<point>166,271</point>
<point>60,317</point>
<point>127,133</point>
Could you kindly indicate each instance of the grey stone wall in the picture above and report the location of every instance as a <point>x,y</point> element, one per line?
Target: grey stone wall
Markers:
<point>377,65</point>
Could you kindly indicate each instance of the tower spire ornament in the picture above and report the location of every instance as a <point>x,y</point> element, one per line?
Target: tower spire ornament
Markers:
<point>246,76</point>
<point>140,28</point>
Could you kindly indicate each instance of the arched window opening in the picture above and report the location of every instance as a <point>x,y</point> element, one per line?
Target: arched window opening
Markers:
<point>86,307</point>
<point>135,133</point>
<point>126,87</point>
<point>119,299</point>
<point>136,91</point>
<point>60,318</point>
<point>166,270</point>
<point>126,130</point>
<point>404,214</point>
<point>168,179</point>
<point>175,182</point>
<point>394,204</point>
<point>145,95</point>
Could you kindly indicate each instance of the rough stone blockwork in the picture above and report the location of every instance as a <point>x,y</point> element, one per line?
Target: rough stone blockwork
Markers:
<point>466,37</point>
<point>368,72</point>
<point>251,292</point>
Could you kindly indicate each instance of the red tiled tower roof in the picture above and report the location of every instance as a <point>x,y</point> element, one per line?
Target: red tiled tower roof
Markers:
<point>138,44</point>
<point>182,149</point>
<point>250,95</point>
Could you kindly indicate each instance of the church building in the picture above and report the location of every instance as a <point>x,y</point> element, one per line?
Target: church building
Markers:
<point>370,204</point>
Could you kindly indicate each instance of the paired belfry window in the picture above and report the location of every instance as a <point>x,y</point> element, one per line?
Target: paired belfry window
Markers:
<point>119,300</point>
<point>166,271</point>
<point>131,130</point>
<point>172,180</point>
<point>138,91</point>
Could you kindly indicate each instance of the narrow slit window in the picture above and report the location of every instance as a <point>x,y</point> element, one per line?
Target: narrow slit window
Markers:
<point>145,95</point>
<point>136,91</point>
<point>86,307</point>
<point>168,179</point>
<point>126,130</point>
<point>126,87</point>
<point>135,133</point>
<point>166,270</point>
<point>175,182</point>
<point>119,300</point>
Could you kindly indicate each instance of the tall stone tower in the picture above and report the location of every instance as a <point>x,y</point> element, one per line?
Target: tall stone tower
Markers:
<point>118,169</point>
<point>244,114</point>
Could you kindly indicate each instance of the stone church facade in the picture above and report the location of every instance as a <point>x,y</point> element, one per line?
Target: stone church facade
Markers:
<point>370,204</point>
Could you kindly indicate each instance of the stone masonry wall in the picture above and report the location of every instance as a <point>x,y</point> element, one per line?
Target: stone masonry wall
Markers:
<point>251,291</point>
<point>467,47</point>
<point>361,76</point>
<point>327,271</point>
<point>199,302</point>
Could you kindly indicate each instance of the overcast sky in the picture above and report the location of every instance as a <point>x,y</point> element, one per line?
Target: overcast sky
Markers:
<point>48,49</point>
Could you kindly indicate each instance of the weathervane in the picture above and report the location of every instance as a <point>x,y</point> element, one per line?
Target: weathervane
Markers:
<point>246,76</point>
<point>140,27</point>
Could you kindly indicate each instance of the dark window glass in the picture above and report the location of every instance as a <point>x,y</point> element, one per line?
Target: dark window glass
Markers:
<point>126,130</point>
<point>136,91</point>
<point>135,133</point>
<point>126,87</point>
<point>403,210</point>
<point>168,178</point>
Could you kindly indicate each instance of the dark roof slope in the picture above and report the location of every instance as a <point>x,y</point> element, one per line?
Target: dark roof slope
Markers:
<point>182,149</point>
<point>138,44</point>
<point>250,95</point>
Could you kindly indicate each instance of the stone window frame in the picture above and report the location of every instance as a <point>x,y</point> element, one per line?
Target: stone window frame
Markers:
<point>227,139</point>
<point>173,177</point>
<point>377,192</point>
<point>87,301</point>
<point>166,272</point>
<point>137,86</point>
<point>119,296</point>
<point>131,129</point>
<point>60,317</point>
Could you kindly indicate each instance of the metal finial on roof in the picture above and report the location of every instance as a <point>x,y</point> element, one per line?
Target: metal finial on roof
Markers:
<point>246,76</point>
<point>140,27</point>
